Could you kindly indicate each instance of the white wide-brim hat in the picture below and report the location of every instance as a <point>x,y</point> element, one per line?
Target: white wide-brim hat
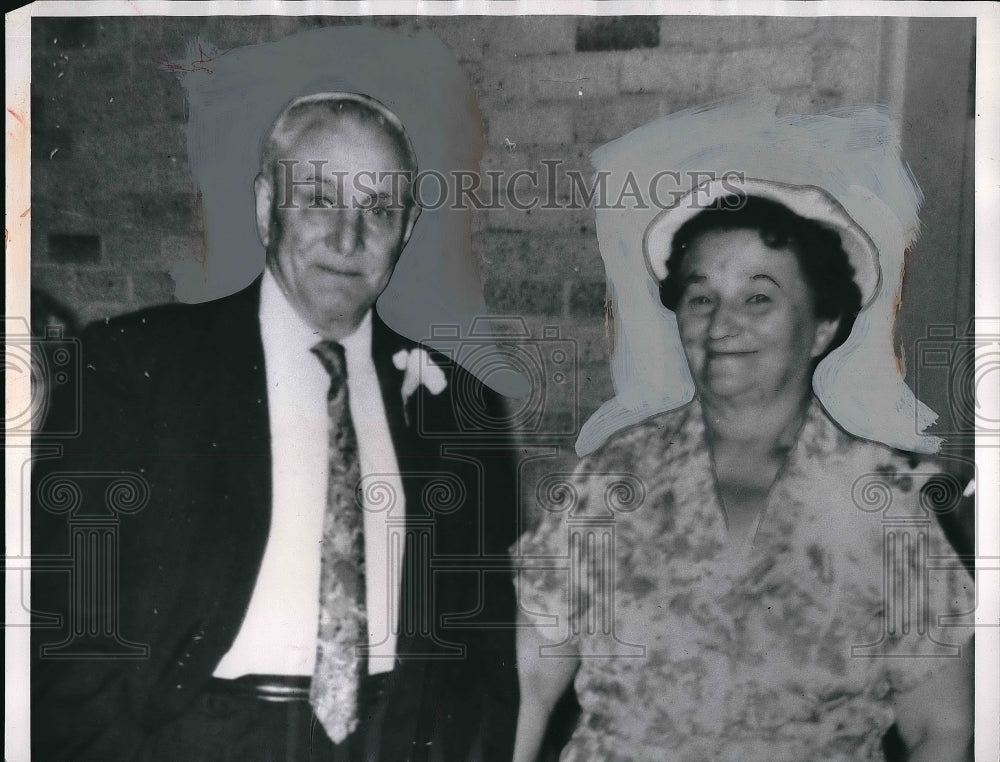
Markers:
<point>807,201</point>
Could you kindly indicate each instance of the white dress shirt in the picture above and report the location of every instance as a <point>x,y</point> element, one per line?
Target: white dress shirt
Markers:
<point>278,634</point>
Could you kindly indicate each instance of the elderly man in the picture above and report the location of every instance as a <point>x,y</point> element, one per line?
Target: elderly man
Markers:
<point>309,578</point>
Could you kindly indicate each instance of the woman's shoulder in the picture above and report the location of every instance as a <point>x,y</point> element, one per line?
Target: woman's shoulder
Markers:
<point>623,474</point>
<point>928,482</point>
<point>647,439</point>
<point>825,437</point>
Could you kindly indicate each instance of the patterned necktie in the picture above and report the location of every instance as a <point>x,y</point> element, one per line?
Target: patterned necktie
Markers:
<point>342,621</point>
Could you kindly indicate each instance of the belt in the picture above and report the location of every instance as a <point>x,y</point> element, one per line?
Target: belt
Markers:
<point>278,689</point>
<point>283,689</point>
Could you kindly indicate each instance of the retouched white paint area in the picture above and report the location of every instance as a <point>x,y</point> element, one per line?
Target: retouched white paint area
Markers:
<point>852,153</point>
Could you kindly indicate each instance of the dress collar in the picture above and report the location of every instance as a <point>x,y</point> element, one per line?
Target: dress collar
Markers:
<point>687,449</point>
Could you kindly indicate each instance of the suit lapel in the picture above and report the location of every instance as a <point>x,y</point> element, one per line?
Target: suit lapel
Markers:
<point>407,721</point>
<point>242,439</point>
<point>385,344</point>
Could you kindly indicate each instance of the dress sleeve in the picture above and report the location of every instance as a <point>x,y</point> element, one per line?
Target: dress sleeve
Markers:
<point>929,605</point>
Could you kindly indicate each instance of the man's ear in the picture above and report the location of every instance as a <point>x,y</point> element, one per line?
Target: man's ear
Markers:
<point>411,220</point>
<point>263,191</point>
<point>825,332</point>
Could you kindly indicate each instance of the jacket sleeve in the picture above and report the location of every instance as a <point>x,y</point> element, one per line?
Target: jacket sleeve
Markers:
<point>491,645</point>
<point>84,657</point>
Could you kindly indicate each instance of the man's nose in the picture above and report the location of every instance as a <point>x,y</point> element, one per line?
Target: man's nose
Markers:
<point>346,235</point>
<point>726,321</point>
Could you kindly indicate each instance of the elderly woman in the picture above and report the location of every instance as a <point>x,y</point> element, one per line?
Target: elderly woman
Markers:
<point>763,592</point>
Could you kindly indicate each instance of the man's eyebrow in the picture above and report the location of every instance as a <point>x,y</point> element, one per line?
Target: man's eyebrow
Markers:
<point>309,178</point>
<point>762,276</point>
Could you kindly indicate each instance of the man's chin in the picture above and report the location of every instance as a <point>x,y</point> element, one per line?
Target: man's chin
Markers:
<point>336,324</point>
<point>327,290</point>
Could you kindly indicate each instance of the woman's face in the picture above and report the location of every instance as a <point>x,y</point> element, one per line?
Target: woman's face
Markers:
<point>746,319</point>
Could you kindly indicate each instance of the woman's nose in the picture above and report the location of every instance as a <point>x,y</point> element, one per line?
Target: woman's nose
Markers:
<point>725,322</point>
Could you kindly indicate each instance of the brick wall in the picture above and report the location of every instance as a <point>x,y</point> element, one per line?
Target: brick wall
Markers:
<point>109,141</point>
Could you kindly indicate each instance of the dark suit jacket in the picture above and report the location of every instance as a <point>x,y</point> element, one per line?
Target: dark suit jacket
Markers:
<point>176,396</point>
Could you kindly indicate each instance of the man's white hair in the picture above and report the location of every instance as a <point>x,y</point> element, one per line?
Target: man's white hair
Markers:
<point>317,110</point>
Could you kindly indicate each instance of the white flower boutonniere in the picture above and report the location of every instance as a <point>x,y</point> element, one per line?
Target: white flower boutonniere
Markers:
<point>420,369</point>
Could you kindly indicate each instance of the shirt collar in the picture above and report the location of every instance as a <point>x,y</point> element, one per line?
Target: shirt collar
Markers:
<point>281,324</point>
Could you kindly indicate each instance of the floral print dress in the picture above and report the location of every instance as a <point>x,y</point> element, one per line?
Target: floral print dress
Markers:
<point>789,651</point>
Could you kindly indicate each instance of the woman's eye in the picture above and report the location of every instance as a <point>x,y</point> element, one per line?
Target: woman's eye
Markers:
<point>759,299</point>
<point>698,300</point>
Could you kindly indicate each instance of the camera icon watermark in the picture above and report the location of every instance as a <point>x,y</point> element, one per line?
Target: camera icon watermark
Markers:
<point>964,363</point>
<point>502,353</point>
<point>52,363</point>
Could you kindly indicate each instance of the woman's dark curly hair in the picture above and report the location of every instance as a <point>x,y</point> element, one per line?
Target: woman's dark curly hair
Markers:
<point>824,264</point>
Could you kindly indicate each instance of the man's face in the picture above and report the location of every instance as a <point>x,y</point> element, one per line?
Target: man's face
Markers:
<point>334,218</point>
